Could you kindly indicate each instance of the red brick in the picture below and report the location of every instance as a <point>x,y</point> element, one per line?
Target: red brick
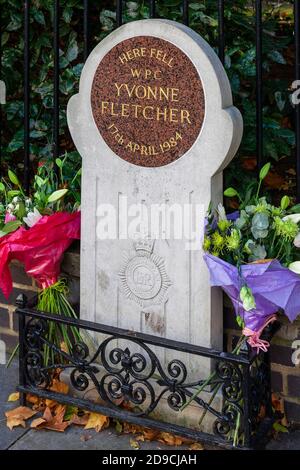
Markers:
<point>281,355</point>
<point>292,411</point>
<point>276,381</point>
<point>19,275</point>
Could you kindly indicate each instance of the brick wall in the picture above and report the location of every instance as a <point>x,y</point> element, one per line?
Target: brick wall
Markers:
<point>25,285</point>
<point>285,375</point>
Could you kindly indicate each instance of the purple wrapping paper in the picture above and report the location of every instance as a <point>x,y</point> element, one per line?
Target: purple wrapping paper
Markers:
<point>272,285</point>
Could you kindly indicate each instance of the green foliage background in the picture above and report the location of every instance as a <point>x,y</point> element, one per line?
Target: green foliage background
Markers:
<point>278,63</point>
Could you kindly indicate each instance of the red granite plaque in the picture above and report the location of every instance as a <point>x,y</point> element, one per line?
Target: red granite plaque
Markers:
<point>148,101</point>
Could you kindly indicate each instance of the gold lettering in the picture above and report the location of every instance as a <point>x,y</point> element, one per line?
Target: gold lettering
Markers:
<point>136,73</point>
<point>136,107</point>
<point>174,94</point>
<point>152,52</point>
<point>152,93</point>
<point>164,93</point>
<point>124,110</point>
<point>136,53</point>
<point>129,146</point>
<point>123,58</point>
<point>159,55</point>
<point>104,106</point>
<point>144,112</point>
<point>130,55</point>
<point>112,111</point>
<point>118,87</point>
<point>144,150</point>
<point>143,90</point>
<point>185,115</point>
<point>173,115</point>
<point>162,113</point>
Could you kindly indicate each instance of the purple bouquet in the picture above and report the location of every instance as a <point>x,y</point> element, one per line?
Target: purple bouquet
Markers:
<point>273,287</point>
<point>253,255</point>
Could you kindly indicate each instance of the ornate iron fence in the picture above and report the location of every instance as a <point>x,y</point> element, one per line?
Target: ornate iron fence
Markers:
<point>134,374</point>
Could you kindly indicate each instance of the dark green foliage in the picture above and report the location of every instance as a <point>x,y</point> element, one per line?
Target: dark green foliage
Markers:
<point>279,138</point>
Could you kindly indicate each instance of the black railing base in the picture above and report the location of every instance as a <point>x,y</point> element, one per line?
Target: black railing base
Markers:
<point>134,374</point>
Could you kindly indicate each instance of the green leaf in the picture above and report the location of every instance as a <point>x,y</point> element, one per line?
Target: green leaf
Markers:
<point>59,162</point>
<point>2,187</point>
<point>39,181</point>
<point>230,192</point>
<point>67,14</point>
<point>279,427</point>
<point>72,51</point>
<point>285,202</point>
<point>277,57</point>
<point>14,192</point>
<point>118,427</point>
<point>264,171</point>
<point>240,321</point>
<point>70,411</point>
<point>57,195</point>
<point>13,178</point>
<point>39,17</point>
<point>295,209</point>
<point>11,226</point>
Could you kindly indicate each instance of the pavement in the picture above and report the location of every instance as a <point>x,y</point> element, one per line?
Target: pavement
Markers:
<point>76,438</point>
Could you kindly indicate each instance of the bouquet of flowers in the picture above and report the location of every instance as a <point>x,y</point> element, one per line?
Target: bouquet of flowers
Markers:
<point>253,254</point>
<point>36,231</point>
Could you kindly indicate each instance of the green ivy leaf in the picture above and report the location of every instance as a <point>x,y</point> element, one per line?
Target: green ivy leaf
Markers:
<point>72,52</point>
<point>277,57</point>
<point>39,17</point>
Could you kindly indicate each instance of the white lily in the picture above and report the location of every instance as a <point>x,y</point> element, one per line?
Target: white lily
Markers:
<point>221,212</point>
<point>297,241</point>
<point>32,217</point>
<point>295,267</point>
<point>293,217</point>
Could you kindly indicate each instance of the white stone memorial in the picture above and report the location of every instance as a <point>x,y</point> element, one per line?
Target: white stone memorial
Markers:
<point>155,126</point>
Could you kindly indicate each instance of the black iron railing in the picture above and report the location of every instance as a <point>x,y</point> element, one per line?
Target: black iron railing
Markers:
<point>152,14</point>
<point>124,367</point>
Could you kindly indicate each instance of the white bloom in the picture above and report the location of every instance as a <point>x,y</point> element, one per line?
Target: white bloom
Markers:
<point>221,212</point>
<point>10,207</point>
<point>15,200</point>
<point>295,267</point>
<point>32,217</point>
<point>293,217</point>
<point>297,240</point>
<point>27,202</point>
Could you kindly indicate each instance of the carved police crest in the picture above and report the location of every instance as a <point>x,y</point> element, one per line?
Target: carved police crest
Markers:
<point>143,276</point>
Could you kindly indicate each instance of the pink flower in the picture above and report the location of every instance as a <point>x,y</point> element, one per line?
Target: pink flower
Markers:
<point>9,217</point>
